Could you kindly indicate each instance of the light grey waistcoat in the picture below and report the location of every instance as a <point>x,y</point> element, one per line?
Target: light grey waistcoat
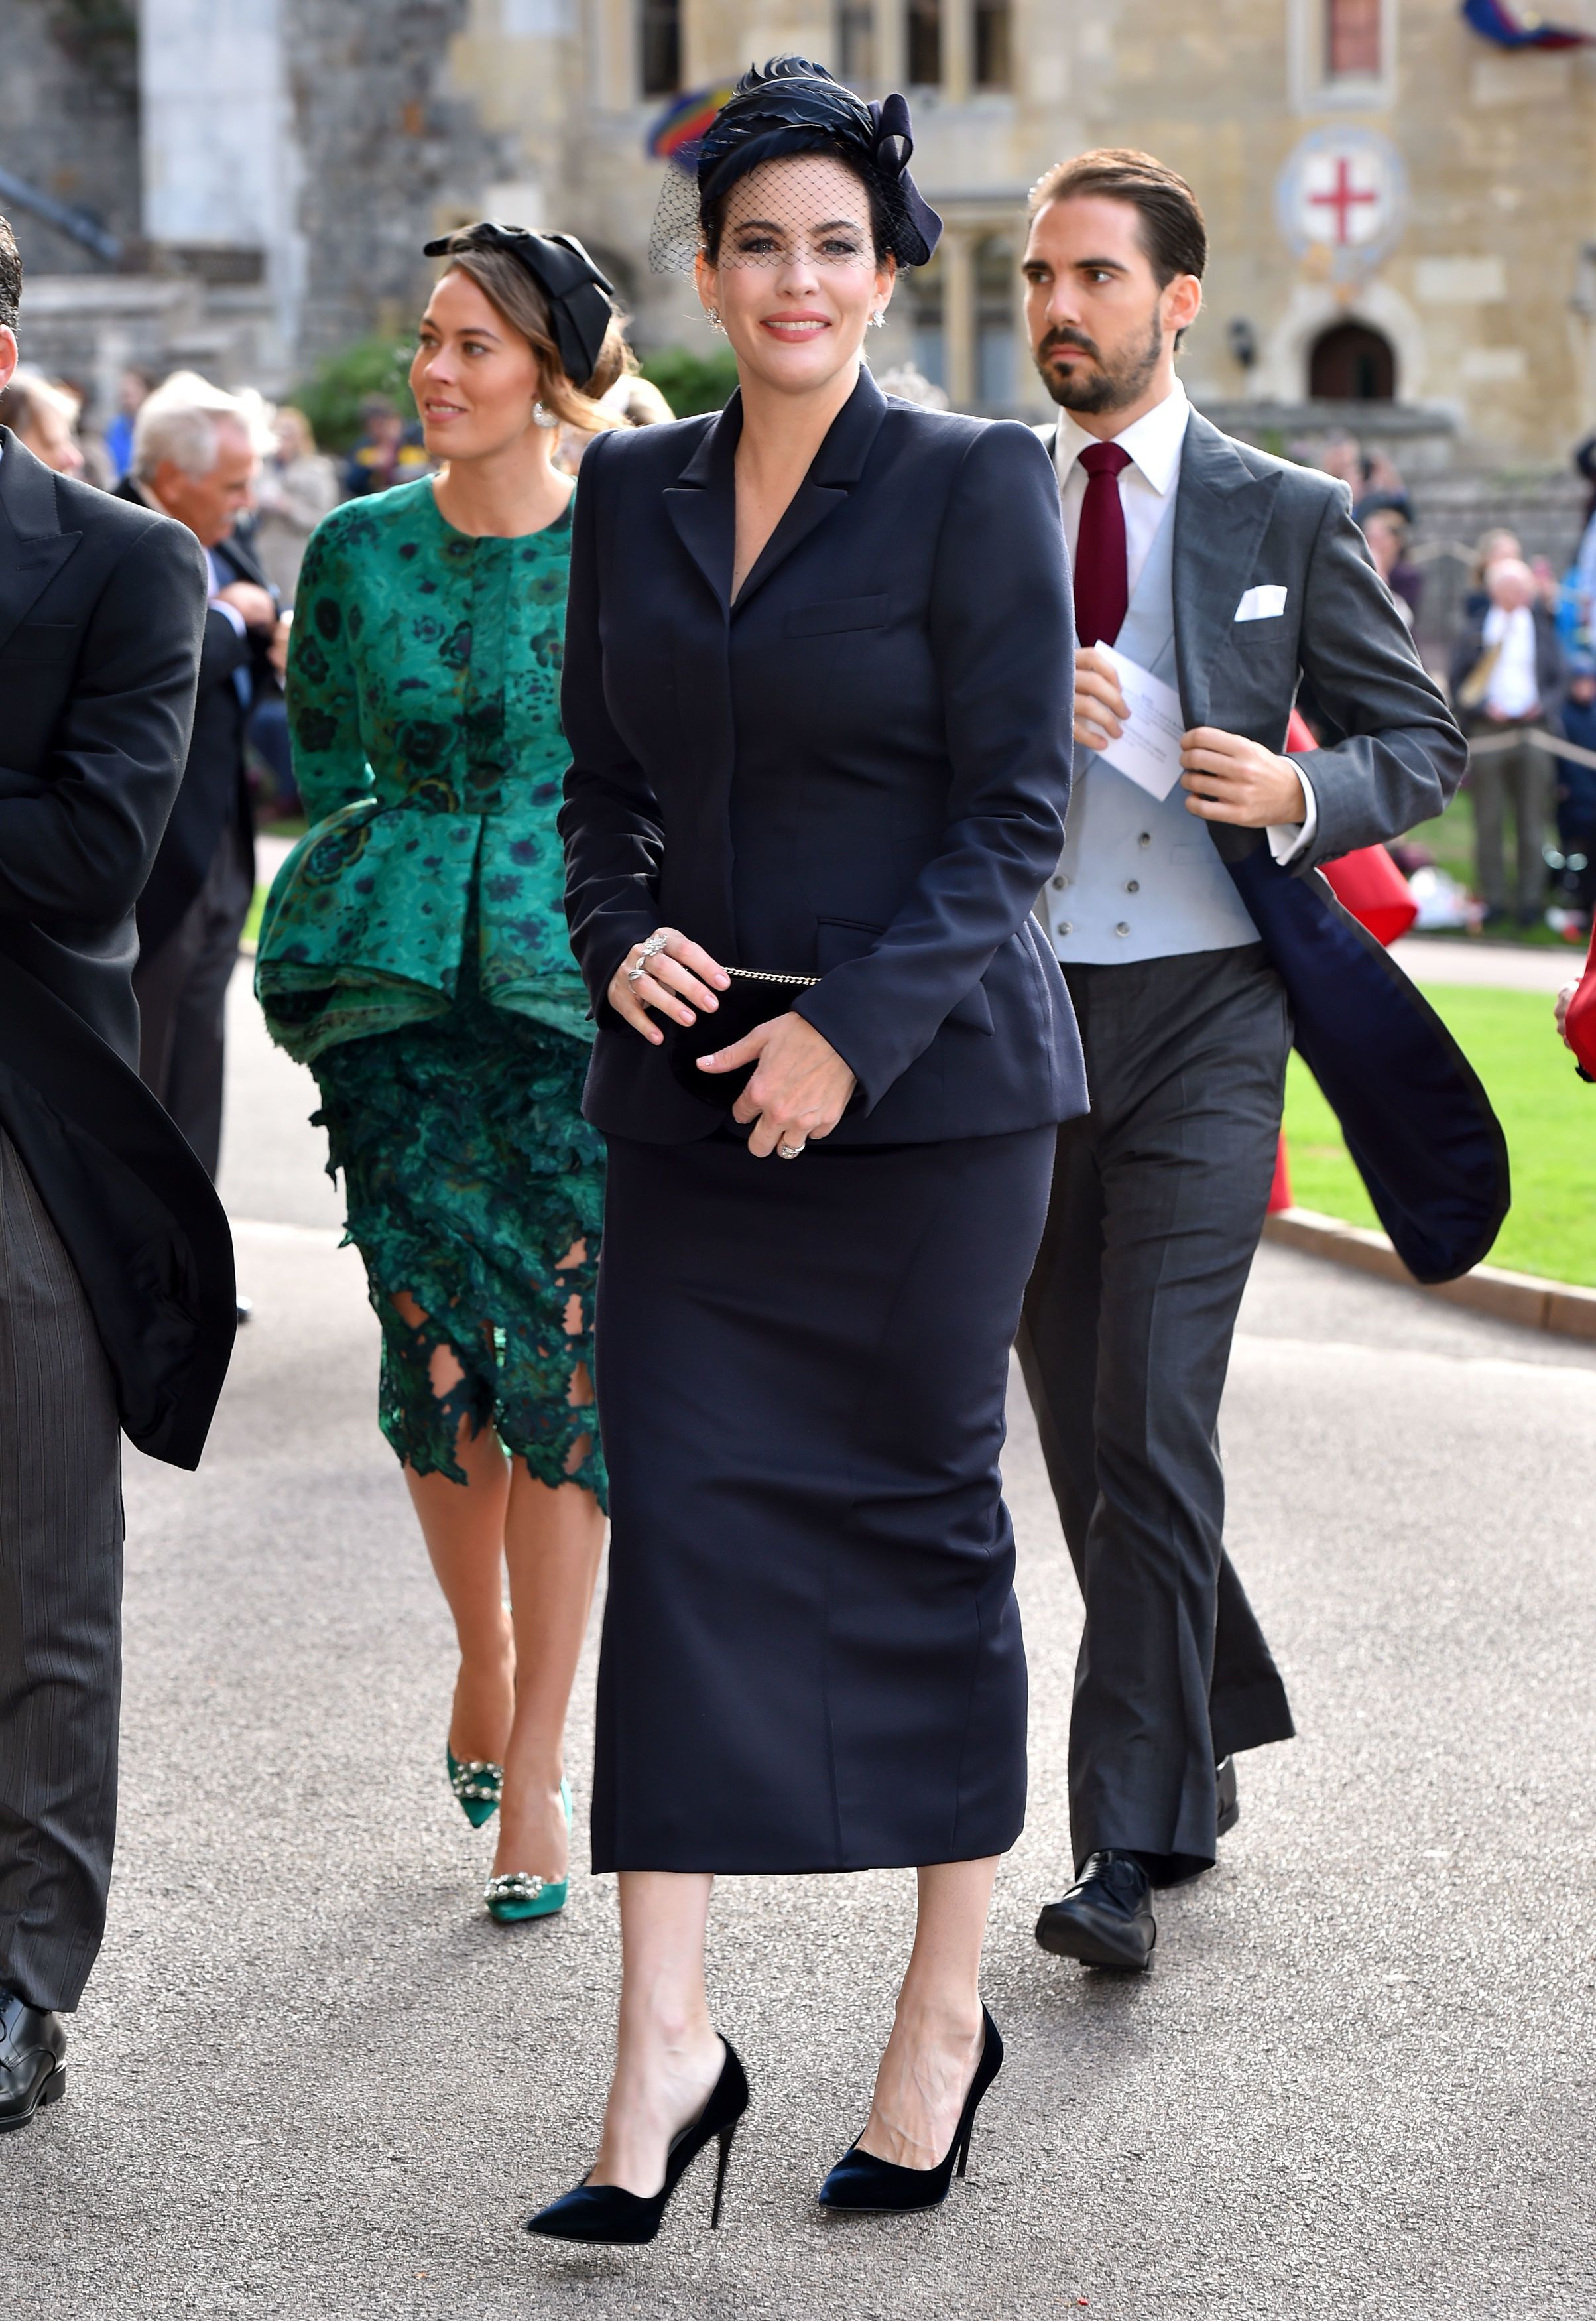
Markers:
<point>1137,878</point>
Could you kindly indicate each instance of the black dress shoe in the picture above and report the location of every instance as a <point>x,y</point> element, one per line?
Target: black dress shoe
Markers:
<point>1106,1919</point>
<point>32,2060</point>
<point>1229,1803</point>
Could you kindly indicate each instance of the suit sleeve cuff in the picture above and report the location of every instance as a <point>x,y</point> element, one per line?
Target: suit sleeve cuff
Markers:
<point>1290,840</point>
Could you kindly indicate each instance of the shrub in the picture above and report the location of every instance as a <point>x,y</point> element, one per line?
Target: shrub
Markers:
<point>331,397</point>
<point>692,382</point>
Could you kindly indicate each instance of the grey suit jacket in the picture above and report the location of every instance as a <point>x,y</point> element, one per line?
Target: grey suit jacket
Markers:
<point>1244,519</point>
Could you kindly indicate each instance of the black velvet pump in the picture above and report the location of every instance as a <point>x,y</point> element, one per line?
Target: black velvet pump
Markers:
<point>869,2186</point>
<point>609,2213</point>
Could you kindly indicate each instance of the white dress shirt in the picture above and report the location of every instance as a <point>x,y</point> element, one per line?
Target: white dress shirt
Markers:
<point>1148,490</point>
<point>1514,689</point>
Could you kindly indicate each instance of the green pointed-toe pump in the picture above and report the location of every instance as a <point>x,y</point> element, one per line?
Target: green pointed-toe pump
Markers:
<point>513,1895</point>
<point>477,1784</point>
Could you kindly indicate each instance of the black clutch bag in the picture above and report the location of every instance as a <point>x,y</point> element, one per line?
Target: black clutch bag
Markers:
<point>754,996</point>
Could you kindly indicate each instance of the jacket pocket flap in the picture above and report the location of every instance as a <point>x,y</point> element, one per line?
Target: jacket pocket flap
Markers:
<point>42,641</point>
<point>842,613</point>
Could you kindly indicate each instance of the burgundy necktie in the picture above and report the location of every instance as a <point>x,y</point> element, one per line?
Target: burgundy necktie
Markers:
<point>1101,588</point>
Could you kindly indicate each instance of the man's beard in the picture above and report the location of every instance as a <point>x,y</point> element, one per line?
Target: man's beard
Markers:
<point>1115,383</point>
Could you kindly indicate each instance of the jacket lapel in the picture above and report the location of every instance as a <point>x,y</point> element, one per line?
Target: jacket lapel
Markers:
<point>702,505</point>
<point>1220,513</point>
<point>32,546</point>
<point>836,469</point>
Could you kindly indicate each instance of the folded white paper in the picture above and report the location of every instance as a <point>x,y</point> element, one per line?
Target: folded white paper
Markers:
<point>1149,750</point>
<point>1266,603</point>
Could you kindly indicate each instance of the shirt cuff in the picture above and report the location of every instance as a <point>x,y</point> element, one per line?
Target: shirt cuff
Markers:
<point>1289,840</point>
<point>233,615</point>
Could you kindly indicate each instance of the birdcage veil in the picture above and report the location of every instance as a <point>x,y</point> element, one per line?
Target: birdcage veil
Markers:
<point>784,110</point>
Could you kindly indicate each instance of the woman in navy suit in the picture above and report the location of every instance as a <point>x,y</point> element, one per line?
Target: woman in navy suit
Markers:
<point>817,694</point>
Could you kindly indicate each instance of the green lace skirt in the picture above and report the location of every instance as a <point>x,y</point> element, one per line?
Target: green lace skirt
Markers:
<point>474,1184</point>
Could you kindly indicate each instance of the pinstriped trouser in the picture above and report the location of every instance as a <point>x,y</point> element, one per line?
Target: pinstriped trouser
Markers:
<point>60,1608</point>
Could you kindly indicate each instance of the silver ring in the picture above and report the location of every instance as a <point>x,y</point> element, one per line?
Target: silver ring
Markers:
<point>789,1152</point>
<point>646,952</point>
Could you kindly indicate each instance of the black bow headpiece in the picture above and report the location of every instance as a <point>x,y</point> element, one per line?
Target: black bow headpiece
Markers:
<point>581,300</point>
<point>795,107</point>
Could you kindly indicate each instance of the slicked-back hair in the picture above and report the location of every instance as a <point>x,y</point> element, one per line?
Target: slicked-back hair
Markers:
<point>1173,232</point>
<point>11,278</point>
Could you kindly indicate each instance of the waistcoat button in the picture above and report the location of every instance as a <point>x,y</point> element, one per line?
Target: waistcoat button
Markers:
<point>1122,929</point>
<point>1133,885</point>
<point>1061,882</point>
<point>1145,839</point>
<point>1065,928</point>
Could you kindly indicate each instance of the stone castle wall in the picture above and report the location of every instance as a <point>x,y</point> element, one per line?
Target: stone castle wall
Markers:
<point>69,122</point>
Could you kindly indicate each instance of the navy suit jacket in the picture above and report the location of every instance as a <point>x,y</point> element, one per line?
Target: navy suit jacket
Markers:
<point>859,771</point>
<point>101,607</point>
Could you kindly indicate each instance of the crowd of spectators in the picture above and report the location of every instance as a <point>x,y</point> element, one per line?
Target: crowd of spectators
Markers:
<point>1520,671</point>
<point>294,484</point>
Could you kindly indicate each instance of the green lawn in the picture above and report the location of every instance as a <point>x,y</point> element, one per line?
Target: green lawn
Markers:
<point>1548,1113</point>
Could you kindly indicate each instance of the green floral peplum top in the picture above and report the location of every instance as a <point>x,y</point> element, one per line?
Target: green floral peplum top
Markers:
<point>424,673</point>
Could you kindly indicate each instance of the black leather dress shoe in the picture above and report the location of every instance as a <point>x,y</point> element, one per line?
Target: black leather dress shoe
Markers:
<point>1229,1803</point>
<point>1106,1919</point>
<point>32,2060</point>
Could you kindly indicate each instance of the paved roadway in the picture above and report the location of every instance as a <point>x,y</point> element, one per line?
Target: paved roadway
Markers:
<point>312,2079</point>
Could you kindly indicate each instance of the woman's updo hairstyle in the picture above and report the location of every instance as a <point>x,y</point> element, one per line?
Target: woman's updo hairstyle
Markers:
<point>547,288</point>
<point>777,112</point>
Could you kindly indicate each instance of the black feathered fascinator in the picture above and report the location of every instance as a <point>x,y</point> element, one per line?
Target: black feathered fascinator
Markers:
<point>581,300</point>
<point>783,108</point>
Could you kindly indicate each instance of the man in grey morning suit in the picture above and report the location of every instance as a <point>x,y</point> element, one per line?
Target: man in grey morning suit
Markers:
<point>1226,573</point>
<point>115,1265</point>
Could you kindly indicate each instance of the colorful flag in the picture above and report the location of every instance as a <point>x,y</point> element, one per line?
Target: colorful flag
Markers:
<point>683,121</point>
<point>1520,28</point>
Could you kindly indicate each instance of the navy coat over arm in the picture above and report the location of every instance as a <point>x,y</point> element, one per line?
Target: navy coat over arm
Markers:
<point>859,771</point>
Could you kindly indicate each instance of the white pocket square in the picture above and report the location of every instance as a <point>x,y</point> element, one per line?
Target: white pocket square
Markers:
<point>1266,603</point>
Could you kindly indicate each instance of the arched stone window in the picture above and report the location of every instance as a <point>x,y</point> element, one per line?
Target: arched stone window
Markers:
<point>659,47</point>
<point>1351,362</point>
<point>922,43</point>
<point>992,47</point>
<point>928,322</point>
<point>1352,38</point>
<point>997,383</point>
<point>855,42</point>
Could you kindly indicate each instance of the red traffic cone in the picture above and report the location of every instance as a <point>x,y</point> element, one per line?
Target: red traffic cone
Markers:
<point>1280,1192</point>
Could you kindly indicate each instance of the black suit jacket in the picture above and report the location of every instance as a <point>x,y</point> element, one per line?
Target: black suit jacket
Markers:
<point>859,771</point>
<point>214,797</point>
<point>101,609</point>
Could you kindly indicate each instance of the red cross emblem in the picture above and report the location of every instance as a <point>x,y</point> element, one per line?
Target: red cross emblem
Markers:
<point>1343,197</point>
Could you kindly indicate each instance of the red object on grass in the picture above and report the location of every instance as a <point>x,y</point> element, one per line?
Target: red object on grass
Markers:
<point>1280,1191</point>
<point>1366,883</point>
<point>1580,1022</point>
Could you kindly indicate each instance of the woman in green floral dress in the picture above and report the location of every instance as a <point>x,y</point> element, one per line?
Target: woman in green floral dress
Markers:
<point>413,954</point>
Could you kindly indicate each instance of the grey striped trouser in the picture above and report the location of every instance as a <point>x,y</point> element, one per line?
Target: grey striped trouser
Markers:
<point>60,1608</point>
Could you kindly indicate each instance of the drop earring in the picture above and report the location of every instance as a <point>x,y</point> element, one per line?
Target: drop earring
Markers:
<point>712,316</point>
<point>878,321</point>
<point>543,417</point>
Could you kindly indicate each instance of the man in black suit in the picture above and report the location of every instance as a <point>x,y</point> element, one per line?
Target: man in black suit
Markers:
<point>194,459</point>
<point>116,1290</point>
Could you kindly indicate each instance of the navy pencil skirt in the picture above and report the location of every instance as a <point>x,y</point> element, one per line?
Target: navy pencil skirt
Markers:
<point>812,1655</point>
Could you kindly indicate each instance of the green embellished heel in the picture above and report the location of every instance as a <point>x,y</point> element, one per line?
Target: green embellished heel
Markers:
<point>477,1784</point>
<point>515,1895</point>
